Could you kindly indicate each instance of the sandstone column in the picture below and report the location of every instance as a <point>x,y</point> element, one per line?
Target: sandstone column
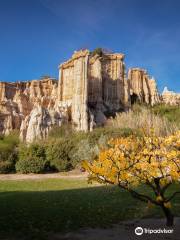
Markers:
<point>142,87</point>
<point>80,91</point>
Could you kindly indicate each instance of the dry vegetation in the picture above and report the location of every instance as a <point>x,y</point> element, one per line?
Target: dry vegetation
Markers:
<point>142,117</point>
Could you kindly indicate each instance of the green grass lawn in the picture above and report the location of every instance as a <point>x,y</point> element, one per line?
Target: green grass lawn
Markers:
<point>29,209</point>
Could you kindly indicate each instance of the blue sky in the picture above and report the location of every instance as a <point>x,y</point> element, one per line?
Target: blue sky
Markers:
<point>37,35</point>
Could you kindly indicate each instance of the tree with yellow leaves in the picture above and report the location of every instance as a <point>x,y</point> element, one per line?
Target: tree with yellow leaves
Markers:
<point>148,160</point>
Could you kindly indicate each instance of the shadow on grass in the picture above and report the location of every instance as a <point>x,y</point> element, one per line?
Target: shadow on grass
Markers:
<point>30,215</point>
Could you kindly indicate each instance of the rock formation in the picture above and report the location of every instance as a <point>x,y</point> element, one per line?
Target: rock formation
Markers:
<point>29,107</point>
<point>170,97</point>
<point>142,88</point>
<point>91,88</point>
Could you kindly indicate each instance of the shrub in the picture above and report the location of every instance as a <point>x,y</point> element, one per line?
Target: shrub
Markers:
<point>97,51</point>
<point>101,51</point>
<point>8,152</point>
<point>60,132</point>
<point>32,159</point>
<point>84,151</point>
<point>8,158</point>
<point>172,113</point>
<point>107,132</point>
<point>67,148</point>
<point>58,154</point>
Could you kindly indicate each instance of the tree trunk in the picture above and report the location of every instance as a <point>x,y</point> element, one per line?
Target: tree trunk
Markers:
<point>169,216</point>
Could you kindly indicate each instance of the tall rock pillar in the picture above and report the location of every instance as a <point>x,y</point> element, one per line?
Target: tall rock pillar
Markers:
<point>73,88</point>
<point>142,88</point>
<point>80,92</point>
<point>113,72</point>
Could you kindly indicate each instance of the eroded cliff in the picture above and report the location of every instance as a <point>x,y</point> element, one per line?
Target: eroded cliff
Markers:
<point>29,107</point>
<point>170,97</point>
<point>91,88</point>
<point>142,88</point>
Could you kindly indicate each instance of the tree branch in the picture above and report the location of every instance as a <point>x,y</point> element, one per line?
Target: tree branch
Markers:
<point>142,197</point>
<point>172,196</point>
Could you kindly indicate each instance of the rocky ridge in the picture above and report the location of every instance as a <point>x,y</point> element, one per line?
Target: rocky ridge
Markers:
<point>91,87</point>
<point>29,107</point>
<point>170,97</point>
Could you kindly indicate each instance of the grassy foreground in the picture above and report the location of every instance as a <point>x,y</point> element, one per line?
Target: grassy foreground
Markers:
<point>30,209</point>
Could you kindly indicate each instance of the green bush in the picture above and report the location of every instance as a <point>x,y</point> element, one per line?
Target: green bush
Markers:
<point>66,150</point>
<point>172,113</point>
<point>66,154</point>
<point>108,132</point>
<point>58,154</point>
<point>60,132</point>
<point>8,152</point>
<point>88,148</point>
<point>97,51</point>
<point>85,151</point>
<point>32,159</point>
<point>8,160</point>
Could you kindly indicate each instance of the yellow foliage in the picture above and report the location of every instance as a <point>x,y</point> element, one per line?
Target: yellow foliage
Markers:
<point>159,199</point>
<point>134,160</point>
<point>167,204</point>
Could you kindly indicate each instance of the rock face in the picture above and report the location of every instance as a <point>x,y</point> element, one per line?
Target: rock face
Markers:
<point>142,87</point>
<point>29,107</point>
<point>91,88</point>
<point>170,97</point>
